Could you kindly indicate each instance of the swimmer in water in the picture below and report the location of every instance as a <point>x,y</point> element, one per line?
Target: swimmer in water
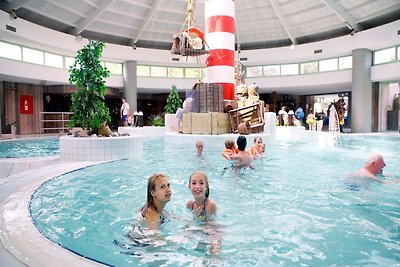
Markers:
<point>202,207</point>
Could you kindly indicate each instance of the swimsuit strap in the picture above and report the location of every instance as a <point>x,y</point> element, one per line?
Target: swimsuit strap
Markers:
<point>204,207</point>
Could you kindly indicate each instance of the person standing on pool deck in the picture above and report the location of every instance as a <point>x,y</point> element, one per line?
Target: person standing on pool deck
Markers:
<point>159,193</point>
<point>124,111</point>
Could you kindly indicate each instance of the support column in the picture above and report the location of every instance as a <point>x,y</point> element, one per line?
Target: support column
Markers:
<point>130,81</point>
<point>361,100</point>
<point>1,107</point>
<point>220,38</point>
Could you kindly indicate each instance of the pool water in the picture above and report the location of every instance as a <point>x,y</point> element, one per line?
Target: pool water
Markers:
<point>26,148</point>
<point>291,209</point>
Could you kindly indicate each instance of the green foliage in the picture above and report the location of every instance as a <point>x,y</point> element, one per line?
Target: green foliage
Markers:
<point>156,121</point>
<point>173,101</point>
<point>87,73</point>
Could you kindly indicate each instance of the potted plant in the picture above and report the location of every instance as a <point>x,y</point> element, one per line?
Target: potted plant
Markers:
<point>174,102</point>
<point>87,73</point>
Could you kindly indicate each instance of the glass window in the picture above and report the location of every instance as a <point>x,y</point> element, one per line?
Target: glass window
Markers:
<point>328,64</point>
<point>69,62</point>
<point>192,73</point>
<point>158,71</point>
<point>309,67</point>
<point>290,69</point>
<point>143,70</point>
<point>254,71</point>
<point>10,51</point>
<point>175,72</point>
<point>398,53</point>
<point>114,68</point>
<point>274,70</point>
<point>385,55</point>
<point>53,60</point>
<point>345,62</point>
<point>32,56</point>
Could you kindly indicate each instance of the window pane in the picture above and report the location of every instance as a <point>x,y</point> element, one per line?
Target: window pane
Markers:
<point>328,64</point>
<point>114,68</point>
<point>385,55</point>
<point>274,70</point>
<point>345,62</point>
<point>10,51</point>
<point>309,67</point>
<point>254,71</point>
<point>69,61</point>
<point>159,71</point>
<point>53,60</point>
<point>143,70</point>
<point>175,72</point>
<point>398,53</point>
<point>290,69</point>
<point>32,56</point>
<point>192,72</point>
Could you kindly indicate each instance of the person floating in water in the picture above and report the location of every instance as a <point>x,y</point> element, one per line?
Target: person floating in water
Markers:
<point>258,148</point>
<point>159,193</point>
<point>372,170</point>
<point>202,207</point>
<point>199,148</point>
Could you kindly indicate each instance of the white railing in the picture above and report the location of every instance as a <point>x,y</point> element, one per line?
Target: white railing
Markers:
<point>54,122</point>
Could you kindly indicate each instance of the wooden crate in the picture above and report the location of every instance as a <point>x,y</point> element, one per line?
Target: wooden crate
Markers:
<point>207,97</point>
<point>187,123</point>
<point>253,114</point>
<point>201,123</point>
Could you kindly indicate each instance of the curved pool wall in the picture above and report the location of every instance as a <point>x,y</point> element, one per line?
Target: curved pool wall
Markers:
<point>100,149</point>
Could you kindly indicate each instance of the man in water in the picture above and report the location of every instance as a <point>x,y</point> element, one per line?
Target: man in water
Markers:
<point>373,167</point>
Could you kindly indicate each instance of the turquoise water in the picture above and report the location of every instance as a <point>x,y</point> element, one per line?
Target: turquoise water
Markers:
<point>291,209</point>
<point>26,148</point>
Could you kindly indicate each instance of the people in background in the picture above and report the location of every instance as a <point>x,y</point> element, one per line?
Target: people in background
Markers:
<point>124,111</point>
<point>311,120</point>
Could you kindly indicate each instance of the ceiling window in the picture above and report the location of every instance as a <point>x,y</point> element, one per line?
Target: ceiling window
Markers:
<point>53,60</point>
<point>328,64</point>
<point>385,55</point>
<point>273,70</point>
<point>309,67</point>
<point>10,51</point>
<point>290,69</point>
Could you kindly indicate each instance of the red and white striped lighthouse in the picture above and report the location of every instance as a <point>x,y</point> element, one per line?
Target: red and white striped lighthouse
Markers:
<point>220,38</point>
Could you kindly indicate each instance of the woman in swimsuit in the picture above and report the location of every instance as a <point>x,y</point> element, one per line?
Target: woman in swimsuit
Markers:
<point>201,206</point>
<point>158,195</point>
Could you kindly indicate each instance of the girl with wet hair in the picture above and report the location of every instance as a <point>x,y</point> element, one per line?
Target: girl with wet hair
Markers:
<point>201,206</point>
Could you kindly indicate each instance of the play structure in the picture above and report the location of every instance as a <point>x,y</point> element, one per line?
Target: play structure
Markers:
<point>222,103</point>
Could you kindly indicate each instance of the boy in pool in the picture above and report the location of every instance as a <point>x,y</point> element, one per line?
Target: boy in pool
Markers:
<point>230,149</point>
<point>258,148</point>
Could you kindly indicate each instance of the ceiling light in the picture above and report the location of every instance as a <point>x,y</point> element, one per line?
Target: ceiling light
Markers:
<point>292,46</point>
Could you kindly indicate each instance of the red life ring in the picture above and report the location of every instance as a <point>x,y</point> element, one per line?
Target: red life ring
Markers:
<point>196,31</point>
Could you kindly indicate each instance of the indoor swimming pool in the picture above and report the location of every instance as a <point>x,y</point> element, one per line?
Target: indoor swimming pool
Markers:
<point>27,148</point>
<point>291,209</point>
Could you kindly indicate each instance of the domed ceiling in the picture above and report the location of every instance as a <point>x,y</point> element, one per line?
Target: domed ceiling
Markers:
<point>152,23</point>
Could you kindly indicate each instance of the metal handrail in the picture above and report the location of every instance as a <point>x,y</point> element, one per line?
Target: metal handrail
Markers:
<point>62,122</point>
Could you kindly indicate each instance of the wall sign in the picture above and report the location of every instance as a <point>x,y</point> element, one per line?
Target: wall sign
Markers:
<point>26,104</point>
